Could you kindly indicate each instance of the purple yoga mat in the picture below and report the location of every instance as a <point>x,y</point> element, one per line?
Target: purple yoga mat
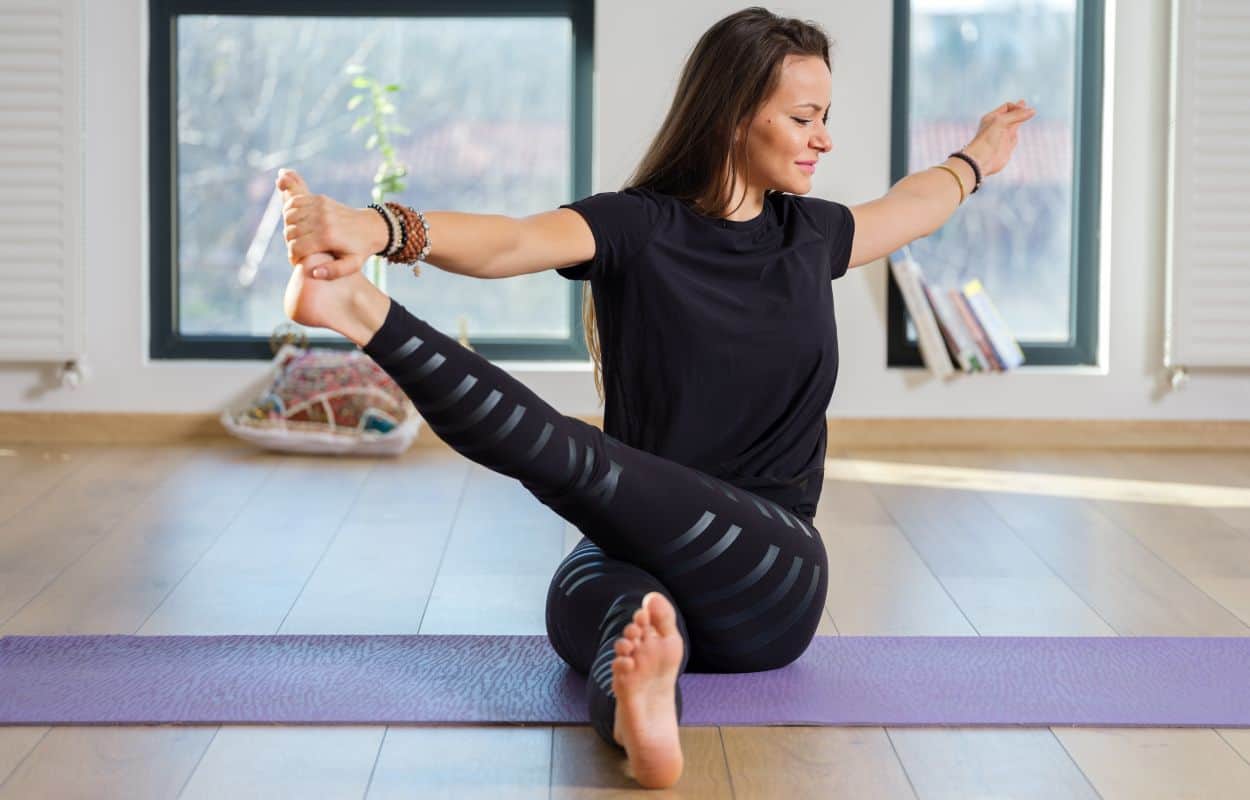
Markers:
<point>847,680</point>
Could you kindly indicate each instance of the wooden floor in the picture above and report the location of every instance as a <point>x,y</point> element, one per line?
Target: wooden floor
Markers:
<point>217,538</point>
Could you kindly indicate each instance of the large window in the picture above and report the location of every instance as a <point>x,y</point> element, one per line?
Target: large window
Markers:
<point>491,115</point>
<point>1031,233</point>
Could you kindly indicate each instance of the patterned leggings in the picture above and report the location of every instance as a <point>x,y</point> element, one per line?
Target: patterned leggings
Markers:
<point>747,577</point>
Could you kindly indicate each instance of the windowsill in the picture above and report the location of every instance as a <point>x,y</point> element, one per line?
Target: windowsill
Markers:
<point>1048,369</point>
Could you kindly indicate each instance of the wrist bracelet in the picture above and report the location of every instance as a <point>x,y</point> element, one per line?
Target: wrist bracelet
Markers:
<point>976,170</point>
<point>962,193</point>
<point>415,236</point>
<point>390,229</point>
<point>400,221</point>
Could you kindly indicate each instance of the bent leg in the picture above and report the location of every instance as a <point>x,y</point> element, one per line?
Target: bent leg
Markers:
<point>749,576</point>
<point>590,601</point>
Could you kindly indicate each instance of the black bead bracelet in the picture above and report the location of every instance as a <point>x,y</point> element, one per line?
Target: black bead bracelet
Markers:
<point>976,170</point>
<point>390,230</point>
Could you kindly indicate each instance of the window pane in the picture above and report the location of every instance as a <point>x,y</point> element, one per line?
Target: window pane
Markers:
<point>487,102</point>
<point>967,57</point>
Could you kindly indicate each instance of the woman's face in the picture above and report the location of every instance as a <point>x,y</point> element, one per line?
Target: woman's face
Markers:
<point>790,127</point>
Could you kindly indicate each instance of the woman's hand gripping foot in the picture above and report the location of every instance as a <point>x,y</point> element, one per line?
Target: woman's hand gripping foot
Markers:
<point>644,679</point>
<point>350,305</point>
<point>338,304</point>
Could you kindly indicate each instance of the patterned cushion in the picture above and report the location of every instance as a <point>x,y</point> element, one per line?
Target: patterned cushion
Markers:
<point>322,400</point>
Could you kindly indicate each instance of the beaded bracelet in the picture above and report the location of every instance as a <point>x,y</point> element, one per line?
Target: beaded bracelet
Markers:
<point>390,229</point>
<point>976,170</point>
<point>415,248</point>
<point>400,248</point>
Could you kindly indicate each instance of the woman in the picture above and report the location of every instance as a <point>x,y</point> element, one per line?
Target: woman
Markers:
<point>710,275</point>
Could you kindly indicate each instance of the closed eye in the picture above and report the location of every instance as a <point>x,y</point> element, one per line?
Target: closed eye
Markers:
<point>805,122</point>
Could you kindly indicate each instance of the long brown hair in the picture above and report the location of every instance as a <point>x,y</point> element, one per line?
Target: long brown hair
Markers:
<point>695,156</point>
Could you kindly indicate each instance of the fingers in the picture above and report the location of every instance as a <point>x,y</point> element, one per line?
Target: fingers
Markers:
<point>323,266</point>
<point>1019,111</point>
<point>299,212</point>
<point>305,247</point>
<point>1019,118</point>
<point>296,216</point>
<point>299,204</point>
<point>1013,108</point>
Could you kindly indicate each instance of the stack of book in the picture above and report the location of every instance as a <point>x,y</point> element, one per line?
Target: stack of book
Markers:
<point>954,326</point>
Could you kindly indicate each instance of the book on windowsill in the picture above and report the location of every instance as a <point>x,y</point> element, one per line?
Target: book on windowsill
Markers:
<point>932,347</point>
<point>1006,348</point>
<point>959,342</point>
<point>954,326</point>
<point>968,320</point>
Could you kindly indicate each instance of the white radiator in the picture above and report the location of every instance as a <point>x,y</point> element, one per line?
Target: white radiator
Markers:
<point>42,178</point>
<point>1208,231</point>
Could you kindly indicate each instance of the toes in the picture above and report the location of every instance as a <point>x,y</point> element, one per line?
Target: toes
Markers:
<point>642,617</point>
<point>663,615</point>
<point>632,631</point>
<point>622,665</point>
<point>625,646</point>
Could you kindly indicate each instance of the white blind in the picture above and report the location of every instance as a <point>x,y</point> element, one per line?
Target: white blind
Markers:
<point>41,180</point>
<point>1209,175</point>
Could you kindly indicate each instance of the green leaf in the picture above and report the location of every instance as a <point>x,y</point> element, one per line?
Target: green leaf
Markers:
<point>387,108</point>
<point>354,69</point>
<point>361,83</point>
<point>360,123</point>
<point>392,87</point>
<point>355,101</point>
<point>371,142</point>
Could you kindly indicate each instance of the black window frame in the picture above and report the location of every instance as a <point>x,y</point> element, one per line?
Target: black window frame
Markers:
<point>165,341</point>
<point>1082,345</point>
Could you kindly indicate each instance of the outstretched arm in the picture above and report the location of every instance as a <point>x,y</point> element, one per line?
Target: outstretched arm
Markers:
<point>325,234</point>
<point>922,202</point>
<point>915,207</point>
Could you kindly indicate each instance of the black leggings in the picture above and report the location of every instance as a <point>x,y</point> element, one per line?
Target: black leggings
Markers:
<point>748,578</point>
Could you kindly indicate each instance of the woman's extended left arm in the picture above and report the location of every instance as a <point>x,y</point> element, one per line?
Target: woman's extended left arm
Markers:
<point>921,203</point>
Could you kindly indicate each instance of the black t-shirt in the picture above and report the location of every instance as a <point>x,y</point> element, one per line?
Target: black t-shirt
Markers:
<point>718,337</point>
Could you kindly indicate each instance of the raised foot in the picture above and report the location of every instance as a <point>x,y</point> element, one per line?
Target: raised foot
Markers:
<point>644,679</point>
<point>334,304</point>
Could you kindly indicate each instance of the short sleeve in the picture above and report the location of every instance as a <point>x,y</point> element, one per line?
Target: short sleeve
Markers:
<point>837,225</point>
<point>621,222</point>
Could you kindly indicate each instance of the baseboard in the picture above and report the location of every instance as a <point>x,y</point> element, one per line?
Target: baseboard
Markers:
<point>864,433</point>
<point>1039,434</point>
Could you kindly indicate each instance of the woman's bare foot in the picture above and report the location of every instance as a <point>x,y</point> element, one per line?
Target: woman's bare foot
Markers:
<point>350,305</point>
<point>644,678</point>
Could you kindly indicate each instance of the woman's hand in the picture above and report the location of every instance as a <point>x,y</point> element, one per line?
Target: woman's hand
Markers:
<point>334,239</point>
<point>991,148</point>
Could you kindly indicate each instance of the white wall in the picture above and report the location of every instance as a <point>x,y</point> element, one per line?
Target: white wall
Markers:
<point>632,88</point>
